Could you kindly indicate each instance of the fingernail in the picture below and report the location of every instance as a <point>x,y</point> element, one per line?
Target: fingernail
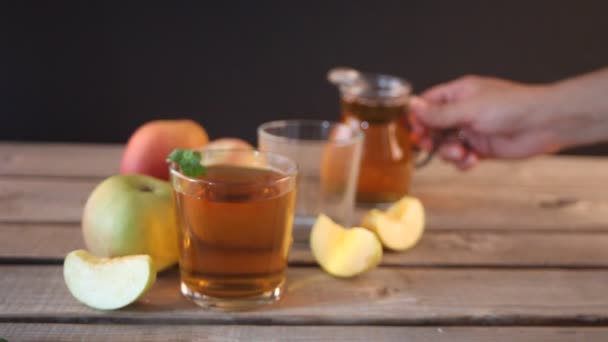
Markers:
<point>470,161</point>
<point>453,152</point>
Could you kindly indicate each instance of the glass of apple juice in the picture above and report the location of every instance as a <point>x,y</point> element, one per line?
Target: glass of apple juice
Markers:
<point>235,224</point>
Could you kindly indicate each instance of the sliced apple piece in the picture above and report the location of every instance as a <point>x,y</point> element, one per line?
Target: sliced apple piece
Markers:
<point>344,252</point>
<point>107,283</point>
<point>401,226</point>
<point>229,151</point>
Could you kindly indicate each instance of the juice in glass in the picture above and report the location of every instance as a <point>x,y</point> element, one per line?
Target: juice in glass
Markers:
<point>235,226</point>
<point>386,163</point>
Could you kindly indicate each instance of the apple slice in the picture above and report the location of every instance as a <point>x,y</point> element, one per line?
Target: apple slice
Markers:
<point>228,144</point>
<point>401,226</point>
<point>107,283</point>
<point>344,252</point>
<point>229,152</point>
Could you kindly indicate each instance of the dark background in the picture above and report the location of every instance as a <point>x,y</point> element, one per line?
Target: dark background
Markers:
<point>94,71</point>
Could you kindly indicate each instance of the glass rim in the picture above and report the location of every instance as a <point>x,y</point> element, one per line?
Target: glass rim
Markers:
<point>370,86</point>
<point>262,131</point>
<point>291,172</point>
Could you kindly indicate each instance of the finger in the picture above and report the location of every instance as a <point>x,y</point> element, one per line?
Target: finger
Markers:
<point>451,91</point>
<point>416,126</point>
<point>468,162</point>
<point>426,114</point>
<point>420,134</point>
<point>523,145</point>
<point>417,105</point>
<point>453,152</point>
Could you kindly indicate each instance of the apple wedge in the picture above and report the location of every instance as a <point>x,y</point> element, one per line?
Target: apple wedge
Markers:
<point>400,227</point>
<point>344,252</point>
<point>107,283</point>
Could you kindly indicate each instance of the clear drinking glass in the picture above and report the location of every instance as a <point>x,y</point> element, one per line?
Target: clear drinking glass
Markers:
<point>328,155</point>
<point>235,225</point>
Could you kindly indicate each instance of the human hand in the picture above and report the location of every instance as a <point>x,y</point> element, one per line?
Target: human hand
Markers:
<point>494,118</point>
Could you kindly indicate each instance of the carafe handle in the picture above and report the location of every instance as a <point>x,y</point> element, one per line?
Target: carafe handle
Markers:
<point>439,138</point>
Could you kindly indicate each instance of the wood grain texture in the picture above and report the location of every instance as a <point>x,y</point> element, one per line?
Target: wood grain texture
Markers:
<point>495,249</point>
<point>226,333</point>
<point>52,241</point>
<point>39,240</point>
<point>543,170</point>
<point>509,243</point>
<point>514,207</point>
<point>385,296</point>
<point>43,200</point>
<point>104,160</point>
<point>545,193</point>
<point>449,206</point>
<point>60,160</point>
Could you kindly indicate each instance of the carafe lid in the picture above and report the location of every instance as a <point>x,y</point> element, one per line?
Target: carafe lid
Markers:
<point>369,87</point>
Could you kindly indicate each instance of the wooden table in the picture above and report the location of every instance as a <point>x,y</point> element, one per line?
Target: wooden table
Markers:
<point>513,251</point>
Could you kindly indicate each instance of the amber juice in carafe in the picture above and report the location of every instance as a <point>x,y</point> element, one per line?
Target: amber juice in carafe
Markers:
<point>386,165</point>
<point>235,233</point>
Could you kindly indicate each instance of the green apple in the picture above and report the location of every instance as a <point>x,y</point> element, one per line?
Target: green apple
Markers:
<point>344,252</point>
<point>132,214</point>
<point>107,283</point>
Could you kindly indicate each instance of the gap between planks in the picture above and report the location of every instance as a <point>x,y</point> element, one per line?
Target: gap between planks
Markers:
<point>10,261</point>
<point>518,320</point>
<point>161,332</point>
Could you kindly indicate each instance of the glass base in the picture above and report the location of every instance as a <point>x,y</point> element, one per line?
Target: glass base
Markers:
<point>301,228</point>
<point>233,304</point>
<point>302,225</point>
<point>301,221</point>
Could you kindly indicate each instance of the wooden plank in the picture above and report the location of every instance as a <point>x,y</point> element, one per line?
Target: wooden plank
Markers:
<point>543,170</point>
<point>39,240</point>
<point>495,249</point>
<point>89,332</point>
<point>548,193</point>
<point>513,207</point>
<point>76,160</point>
<point>453,206</point>
<point>437,248</point>
<point>43,200</point>
<point>102,160</point>
<point>384,296</point>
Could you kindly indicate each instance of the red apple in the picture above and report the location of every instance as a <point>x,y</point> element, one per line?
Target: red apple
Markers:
<point>151,143</point>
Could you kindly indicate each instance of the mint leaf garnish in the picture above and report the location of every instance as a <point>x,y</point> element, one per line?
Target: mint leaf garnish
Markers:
<point>189,162</point>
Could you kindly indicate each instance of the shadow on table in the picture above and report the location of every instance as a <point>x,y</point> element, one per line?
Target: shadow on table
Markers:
<point>306,287</point>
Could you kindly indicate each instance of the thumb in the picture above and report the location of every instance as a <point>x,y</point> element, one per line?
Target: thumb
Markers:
<point>439,115</point>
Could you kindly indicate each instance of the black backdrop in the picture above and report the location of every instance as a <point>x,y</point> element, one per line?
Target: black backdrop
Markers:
<point>94,71</point>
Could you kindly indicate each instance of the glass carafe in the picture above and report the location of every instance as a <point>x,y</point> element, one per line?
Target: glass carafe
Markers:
<point>378,105</point>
